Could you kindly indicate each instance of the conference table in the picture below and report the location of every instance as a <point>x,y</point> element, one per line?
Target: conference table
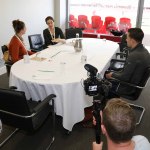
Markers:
<point>59,70</point>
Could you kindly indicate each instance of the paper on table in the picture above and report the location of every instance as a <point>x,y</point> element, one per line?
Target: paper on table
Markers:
<point>43,74</point>
<point>38,58</point>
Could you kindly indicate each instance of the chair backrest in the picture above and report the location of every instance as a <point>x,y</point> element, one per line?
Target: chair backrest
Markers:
<point>145,77</point>
<point>82,17</point>
<point>143,82</point>
<point>83,24</point>
<point>14,102</point>
<point>35,41</point>
<point>123,42</point>
<point>71,33</point>
<point>96,22</point>
<point>4,48</point>
<point>125,20</point>
<point>83,21</point>
<point>71,17</point>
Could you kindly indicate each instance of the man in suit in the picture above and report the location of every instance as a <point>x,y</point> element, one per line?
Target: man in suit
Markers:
<point>136,63</point>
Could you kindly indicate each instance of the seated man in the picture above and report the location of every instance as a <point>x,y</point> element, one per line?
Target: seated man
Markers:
<point>136,63</point>
<point>118,125</point>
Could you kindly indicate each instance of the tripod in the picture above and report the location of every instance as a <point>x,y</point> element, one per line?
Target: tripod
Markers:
<point>98,104</point>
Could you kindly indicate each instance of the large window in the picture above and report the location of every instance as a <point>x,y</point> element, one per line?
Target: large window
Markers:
<point>103,8</point>
<point>146,17</point>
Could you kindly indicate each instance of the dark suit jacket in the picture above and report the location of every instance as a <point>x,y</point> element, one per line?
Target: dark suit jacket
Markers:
<point>135,66</point>
<point>48,38</point>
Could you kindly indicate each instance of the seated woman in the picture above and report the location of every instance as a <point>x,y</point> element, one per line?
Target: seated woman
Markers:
<point>16,46</point>
<point>52,35</point>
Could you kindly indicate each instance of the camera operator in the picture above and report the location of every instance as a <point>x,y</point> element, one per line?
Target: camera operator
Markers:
<point>118,125</point>
<point>136,63</point>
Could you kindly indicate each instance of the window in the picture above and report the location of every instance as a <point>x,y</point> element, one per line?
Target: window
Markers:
<point>146,17</point>
<point>116,9</point>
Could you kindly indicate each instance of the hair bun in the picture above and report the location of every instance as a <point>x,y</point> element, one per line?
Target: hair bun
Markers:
<point>18,25</point>
<point>15,22</point>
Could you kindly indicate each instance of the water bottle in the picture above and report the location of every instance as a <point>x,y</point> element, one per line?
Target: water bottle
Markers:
<point>77,36</point>
<point>78,43</point>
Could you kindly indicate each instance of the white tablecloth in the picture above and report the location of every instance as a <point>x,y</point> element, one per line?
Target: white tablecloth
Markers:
<point>61,74</point>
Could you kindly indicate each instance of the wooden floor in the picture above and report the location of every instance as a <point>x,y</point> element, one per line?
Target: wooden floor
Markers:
<point>79,139</point>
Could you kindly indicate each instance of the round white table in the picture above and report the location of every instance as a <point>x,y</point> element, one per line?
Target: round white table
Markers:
<point>61,73</point>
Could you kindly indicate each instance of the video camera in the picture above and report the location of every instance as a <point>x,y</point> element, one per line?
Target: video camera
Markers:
<point>99,89</point>
<point>94,86</point>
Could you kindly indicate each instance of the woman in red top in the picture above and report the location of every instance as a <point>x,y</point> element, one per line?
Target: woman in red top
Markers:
<point>16,47</point>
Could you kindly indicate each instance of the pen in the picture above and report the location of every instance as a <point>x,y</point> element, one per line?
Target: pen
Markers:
<point>46,71</point>
<point>55,54</point>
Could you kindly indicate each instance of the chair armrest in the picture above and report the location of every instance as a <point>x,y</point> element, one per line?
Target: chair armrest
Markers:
<point>13,88</point>
<point>8,63</point>
<point>41,105</point>
<point>117,60</point>
<point>121,54</point>
<point>127,83</point>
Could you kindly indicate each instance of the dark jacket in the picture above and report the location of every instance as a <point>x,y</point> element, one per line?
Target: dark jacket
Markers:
<point>133,71</point>
<point>48,38</point>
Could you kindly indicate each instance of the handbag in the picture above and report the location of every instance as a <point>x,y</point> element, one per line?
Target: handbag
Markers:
<point>6,56</point>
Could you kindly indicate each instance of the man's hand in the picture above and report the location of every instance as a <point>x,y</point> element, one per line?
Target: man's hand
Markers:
<point>94,121</point>
<point>109,75</point>
<point>97,146</point>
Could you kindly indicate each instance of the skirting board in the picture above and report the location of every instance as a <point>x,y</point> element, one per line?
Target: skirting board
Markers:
<point>2,70</point>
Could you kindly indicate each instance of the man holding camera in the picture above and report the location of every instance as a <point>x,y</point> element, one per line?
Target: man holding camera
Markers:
<point>118,125</point>
<point>136,63</point>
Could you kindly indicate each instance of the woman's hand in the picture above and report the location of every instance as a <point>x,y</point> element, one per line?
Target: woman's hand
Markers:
<point>56,40</point>
<point>59,40</point>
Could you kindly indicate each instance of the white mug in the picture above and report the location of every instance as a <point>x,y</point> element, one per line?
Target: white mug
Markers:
<point>26,58</point>
<point>83,59</point>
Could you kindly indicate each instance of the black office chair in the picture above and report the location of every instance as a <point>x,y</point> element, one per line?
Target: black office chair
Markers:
<point>9,63</point>
<point>36,42</point>
<point>24,114</point>
<point>118,64</point>
<point>71,32</point>
<point>123,43</point>
<point>135,92</point>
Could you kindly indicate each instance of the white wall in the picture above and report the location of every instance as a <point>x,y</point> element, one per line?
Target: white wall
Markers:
<point>146,40</point>
<point>32,12</point>
<point>60,13</point>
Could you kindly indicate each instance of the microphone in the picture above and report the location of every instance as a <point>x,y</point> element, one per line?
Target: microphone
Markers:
<point>91,69</point>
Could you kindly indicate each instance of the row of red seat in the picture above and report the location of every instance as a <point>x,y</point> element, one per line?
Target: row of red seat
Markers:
<point>97,25</point>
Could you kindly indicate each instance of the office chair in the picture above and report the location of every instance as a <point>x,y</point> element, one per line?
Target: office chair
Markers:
<point>118,64</point>
<point>124,24</point>
<point>83,22</point>
<point>8,63</point>
<point>73,22</point>
<point>97,23</point>
<point>17,111</point>
<point>36,42</point>
<point>135,92</point>
<point>110,23</point>
<point>71,32</point>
